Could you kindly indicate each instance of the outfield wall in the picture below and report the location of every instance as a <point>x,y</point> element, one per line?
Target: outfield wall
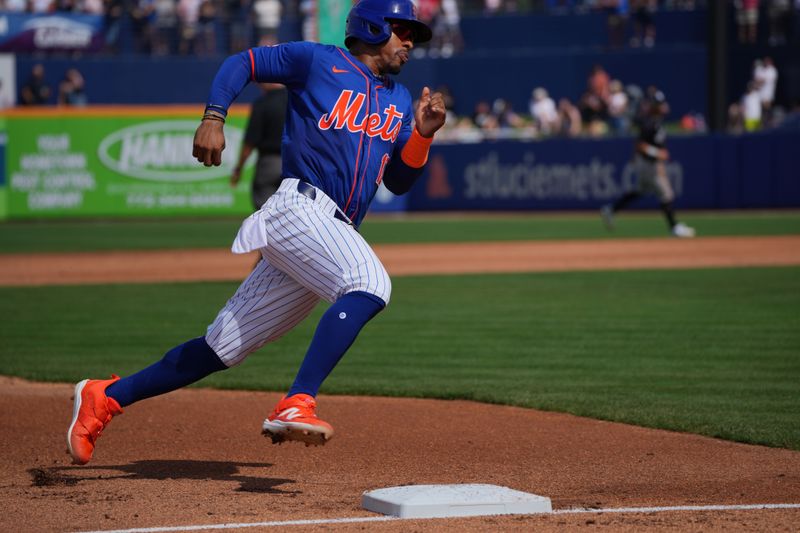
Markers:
<point>136,161</point>
<point>707,172</point>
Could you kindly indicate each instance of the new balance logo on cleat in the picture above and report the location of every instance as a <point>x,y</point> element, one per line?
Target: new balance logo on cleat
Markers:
<point>288,414</point>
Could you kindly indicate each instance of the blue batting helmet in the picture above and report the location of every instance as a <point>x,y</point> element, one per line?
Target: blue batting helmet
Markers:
<point>371,21</point>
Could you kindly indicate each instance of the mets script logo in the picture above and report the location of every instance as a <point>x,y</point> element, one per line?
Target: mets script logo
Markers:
<point>345,115</point>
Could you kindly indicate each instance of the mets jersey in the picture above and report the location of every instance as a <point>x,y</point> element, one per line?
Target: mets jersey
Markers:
<point>345,126</point>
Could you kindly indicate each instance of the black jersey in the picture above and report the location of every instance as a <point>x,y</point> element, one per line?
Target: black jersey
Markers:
<point>652,132</point>
<point>265,127</point>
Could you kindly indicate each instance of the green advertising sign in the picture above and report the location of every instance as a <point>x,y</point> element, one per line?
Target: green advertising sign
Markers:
<point>108,165</point>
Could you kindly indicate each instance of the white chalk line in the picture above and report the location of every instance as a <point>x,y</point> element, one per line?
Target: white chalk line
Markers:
<point>355,520</point>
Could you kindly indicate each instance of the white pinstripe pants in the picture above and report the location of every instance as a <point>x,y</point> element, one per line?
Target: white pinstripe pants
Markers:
<point>307,255</point>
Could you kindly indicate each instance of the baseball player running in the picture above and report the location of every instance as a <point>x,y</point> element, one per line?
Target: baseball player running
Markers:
<point>649,165</point>
<point>349,128</point>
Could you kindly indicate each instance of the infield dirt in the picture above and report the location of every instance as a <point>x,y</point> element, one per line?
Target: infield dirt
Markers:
<point>197,456</point>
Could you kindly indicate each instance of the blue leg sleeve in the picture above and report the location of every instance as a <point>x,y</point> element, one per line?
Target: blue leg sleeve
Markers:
<point>181,366</point>
<point>336,331</point>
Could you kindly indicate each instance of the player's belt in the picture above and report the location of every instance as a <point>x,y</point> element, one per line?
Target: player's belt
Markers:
<point>308,190</point>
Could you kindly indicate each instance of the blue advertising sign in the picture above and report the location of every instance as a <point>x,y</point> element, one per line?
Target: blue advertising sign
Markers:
<point>705,172</point>
<point>510,175</point>
<point>23,33</point>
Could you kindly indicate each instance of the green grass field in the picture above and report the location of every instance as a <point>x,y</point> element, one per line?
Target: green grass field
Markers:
<point>712,351</point>
<point>64,236</point>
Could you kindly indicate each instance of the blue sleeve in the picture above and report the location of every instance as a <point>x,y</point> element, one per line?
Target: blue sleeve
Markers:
<point>287,63</point>
<point>399,177</point>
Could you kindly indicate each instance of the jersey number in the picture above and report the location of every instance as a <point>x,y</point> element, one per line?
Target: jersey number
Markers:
<point>384,161</point>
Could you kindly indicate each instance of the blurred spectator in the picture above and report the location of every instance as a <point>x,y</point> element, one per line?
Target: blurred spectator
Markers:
<point>41,6</point>
<point>751,107</point>
<point>5,98</point>
<point>14,6</point>
<point>735,119</point>
<point>505,115</point>
<point>143,16</point>
<point>206,43</point>
<point>492,7</point>
<point>765,75</point>
<point>71,90</point>
<point>267,14</point>
<point>617,19</point>
<point>35,91</point>
<point>238,24</point>
<point>693,122</point>
<point>447,39</point>
<point>569,118</point>
<point>427,12</point>
<point>644,26</point>
<point>112,23</point>
<point>63,6</point>
<point>483,117</point>
<point>196,20</point>
<point>780,21</point>
<point>747,19</point>
<point>308,12</point>
<point>164,24</point>
<point>618,108</point>
<point>544,112</point>
<point>594,113</point>
<point>188,21</point>
<point>598,82</point>
<point>92,7</point>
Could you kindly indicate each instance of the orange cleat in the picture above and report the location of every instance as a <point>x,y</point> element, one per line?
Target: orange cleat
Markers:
<point>294,418</point>
<point>91,413</point>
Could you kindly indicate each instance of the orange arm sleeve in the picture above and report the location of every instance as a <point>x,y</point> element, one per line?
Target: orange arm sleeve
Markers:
<point>415,152</point>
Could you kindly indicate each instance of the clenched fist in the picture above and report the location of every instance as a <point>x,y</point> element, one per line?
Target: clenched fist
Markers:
<point>430,113</point>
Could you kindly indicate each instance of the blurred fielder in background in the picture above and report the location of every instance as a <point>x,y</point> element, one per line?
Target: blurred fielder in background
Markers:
<point>649,164</point>
<point>263,134</point>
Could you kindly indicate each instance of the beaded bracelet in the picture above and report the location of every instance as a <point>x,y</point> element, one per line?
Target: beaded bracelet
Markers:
<point>214,116</point>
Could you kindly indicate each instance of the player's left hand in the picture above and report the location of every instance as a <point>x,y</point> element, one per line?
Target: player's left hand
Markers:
<point>430,113</point>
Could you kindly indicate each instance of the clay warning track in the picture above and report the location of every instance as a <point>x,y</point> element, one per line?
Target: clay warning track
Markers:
<point>411,259</point>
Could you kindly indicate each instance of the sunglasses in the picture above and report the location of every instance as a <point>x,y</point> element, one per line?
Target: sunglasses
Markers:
<point>403,32</point>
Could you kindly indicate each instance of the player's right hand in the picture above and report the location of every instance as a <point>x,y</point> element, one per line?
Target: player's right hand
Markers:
<point>209,142</point>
